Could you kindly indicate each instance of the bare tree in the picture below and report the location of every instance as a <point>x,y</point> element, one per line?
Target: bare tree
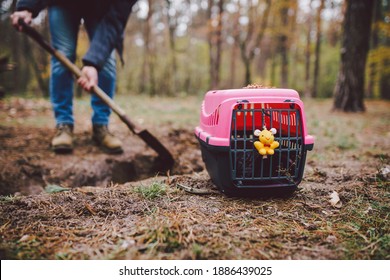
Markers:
<point>283,43</point>
<point>250,41</point>
<point>172,25</point>
<point>215,41</point>
<point>308,51</point>
<point>349,90</point>
<point>234,51</point>
<point>314,92</point>
<point>147,73</point>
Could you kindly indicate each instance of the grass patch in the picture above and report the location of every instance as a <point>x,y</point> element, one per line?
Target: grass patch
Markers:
<point>152,191</point>
<point>9,198</point>
<point>346,143</point>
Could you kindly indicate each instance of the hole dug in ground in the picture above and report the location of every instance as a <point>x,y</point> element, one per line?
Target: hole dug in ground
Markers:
<point>28,166</point>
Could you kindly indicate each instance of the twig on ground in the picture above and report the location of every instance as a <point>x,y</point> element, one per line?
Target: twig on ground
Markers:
<point>194,190</point>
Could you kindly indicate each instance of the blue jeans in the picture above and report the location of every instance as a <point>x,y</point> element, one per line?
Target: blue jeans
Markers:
<point>64,27</point>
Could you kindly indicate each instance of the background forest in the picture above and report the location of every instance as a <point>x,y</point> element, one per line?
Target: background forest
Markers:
<point>180,48</point>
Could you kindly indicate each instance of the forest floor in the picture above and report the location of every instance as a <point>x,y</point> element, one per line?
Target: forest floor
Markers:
<point>90,205</point>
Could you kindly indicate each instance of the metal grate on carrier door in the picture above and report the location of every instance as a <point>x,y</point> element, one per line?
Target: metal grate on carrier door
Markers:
<point>248,166</point>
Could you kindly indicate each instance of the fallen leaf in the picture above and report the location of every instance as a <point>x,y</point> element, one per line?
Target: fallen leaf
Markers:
<point>331,239</point>
<point>369,209</point>
<point>335,200</point>
<point>27,238</point>
<point>384,172</point>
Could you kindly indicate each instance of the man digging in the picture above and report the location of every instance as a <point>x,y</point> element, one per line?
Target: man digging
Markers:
<point>104,22</point>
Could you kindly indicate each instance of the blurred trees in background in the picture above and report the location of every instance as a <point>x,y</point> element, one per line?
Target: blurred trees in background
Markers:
<point>378,66</point>
<point>184,47</point>
<point>31,63</point>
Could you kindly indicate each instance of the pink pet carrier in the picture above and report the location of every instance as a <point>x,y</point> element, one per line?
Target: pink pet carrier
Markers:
<point>235,126</point>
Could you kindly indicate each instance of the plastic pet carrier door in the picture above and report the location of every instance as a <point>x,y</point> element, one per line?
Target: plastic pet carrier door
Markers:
<point>254,139</point>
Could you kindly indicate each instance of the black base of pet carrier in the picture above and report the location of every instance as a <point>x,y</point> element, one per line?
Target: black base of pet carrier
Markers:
<point>253,176</point>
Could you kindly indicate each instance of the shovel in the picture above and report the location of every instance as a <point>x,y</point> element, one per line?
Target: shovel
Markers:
<point>164,155</point>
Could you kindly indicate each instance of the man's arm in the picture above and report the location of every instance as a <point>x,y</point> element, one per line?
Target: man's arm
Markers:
<point>109,34</point>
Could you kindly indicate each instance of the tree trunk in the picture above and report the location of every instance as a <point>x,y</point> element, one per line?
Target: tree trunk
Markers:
<point>248,74</point>
<point>233,63</point>
<point>19,43</point>
<point>151,56</point>
<point>147,73</point>
<point>349,89</point>
<point>283,42</point>
<point>210,37</point>
<point>385,82</point>
<point>37,68</point>
<point>172,25</point>
<point>218,55</point>
<point>308,53</point>
<point>143,73</point>
<point>273,69</point>
<point>233,58</point>
<point>317,50</point>
<point>373,65</point>
<point>215,43</point>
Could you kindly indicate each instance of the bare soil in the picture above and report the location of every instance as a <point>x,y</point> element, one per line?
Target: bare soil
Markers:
<point>121,206</point>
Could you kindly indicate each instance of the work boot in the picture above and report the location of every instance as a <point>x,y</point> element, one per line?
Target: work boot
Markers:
<point>62,142</point>
<point>106,140</point>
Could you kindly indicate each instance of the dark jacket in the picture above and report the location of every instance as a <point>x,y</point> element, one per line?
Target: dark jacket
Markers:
<point>112,14</point>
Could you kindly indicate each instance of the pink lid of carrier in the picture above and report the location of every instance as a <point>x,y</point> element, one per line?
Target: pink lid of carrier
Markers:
<point>216,113</point>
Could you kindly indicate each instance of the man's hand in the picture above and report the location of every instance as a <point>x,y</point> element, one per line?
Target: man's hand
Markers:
<point>25,15</point>
<point>89,78</point>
